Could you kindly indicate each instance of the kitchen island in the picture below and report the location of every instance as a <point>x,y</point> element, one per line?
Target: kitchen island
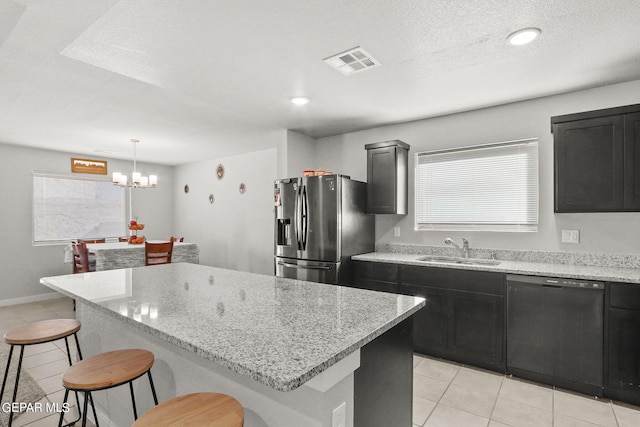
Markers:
<point>290,351</point>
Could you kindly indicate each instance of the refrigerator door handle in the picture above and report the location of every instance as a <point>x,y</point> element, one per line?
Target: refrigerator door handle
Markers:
<point>298,220</point>
<point>305,220</point>
<point>304,267</point>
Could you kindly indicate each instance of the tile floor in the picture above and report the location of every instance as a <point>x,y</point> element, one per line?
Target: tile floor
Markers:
<point>445,394</point>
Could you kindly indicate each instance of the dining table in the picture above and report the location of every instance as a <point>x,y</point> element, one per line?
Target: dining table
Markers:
<point>115,255</point>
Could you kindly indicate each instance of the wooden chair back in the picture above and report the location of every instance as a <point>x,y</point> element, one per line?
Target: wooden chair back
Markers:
<point>80,257</point>
<point>176,239</point>
<point>157,253</point>
<point>103,240</point>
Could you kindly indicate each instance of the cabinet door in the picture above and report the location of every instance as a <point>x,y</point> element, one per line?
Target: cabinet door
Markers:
<point>476,331</point>
<point>632,161</point>
<point>589,166</point>
<point>430,324</point>
<point>381,180</point>
<point>623,373</point>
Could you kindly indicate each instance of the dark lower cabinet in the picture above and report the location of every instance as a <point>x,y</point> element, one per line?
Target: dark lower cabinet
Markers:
<point>463,319</point>
<point>622,373</point>
<point>375,276</point>
<point>430,324</point>
<point>476,333</point>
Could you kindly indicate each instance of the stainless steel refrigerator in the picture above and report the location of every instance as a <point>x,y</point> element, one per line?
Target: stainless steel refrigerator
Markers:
<point>320,222</point>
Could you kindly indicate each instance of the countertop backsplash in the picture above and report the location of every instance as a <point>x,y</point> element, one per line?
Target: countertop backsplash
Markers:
<point>572,258</point>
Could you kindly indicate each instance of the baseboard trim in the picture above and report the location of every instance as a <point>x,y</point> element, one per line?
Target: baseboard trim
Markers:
<point>32,298</point>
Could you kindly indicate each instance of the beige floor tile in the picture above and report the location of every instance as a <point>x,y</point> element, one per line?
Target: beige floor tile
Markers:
<point>39,348</point>
<point>580,407</point>
<point>627,415</point>
<point>444,416</point>
<point>36,316</point>
<point>43,358</point>
<point>486,381</point>
<point>527,393</point>
<point>429,388</point>
<point>560,420</point>
<point>51,384</point>
<point>493,423</point>
<point>517,414</point>
<point>48,370</point>
<point>422,408</point>
<point>436,369</point>
<point>469,400</point>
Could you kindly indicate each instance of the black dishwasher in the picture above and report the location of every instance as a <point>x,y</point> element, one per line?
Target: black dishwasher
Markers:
<point>555,331</point>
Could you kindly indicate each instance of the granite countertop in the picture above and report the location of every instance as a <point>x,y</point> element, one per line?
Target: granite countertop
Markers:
<point>561,270</point>
<point>280,332</point>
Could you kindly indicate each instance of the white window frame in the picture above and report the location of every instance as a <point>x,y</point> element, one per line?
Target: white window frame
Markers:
<point>466,203</point>
<point>71,228</point>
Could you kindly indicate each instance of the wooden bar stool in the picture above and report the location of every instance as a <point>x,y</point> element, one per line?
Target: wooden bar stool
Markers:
<point>38,333</point>
<point>105,371</point>
<point>198,409</point>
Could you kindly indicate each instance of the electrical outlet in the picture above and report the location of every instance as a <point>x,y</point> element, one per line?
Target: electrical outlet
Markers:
<point>340,416</point>
<point>396,231</point>
<point>570,236</point>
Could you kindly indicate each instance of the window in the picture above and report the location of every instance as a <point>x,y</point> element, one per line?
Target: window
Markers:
<point>66,208</point>
<point>490,187</point>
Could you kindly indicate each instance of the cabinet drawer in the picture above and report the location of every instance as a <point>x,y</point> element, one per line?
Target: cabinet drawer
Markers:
<point>462,280</point>
<point>625,296</point>
<point>375,270</point>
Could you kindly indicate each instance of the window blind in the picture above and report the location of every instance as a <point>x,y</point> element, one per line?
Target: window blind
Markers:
<point>66,208</point>
<point>489,187</point>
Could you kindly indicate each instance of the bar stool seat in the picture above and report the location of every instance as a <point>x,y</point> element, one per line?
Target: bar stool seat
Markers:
<point>38,333</point>
<point>198,409</point>
<point>41,332</point>
<point>107,370</point>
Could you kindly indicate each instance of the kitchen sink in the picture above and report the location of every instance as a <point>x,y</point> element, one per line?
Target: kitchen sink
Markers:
<point>458,260</point>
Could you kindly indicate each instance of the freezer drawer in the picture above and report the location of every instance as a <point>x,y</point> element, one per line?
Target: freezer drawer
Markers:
<point>312,271</point>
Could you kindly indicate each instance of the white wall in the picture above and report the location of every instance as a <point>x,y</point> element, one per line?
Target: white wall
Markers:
<point>21,263</point>
<point>236,231</point>
<point>599,232</point>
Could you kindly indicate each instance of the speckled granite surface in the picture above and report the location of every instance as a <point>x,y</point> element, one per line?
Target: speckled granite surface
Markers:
<point>110,256</point>
<point>280,332</point>
<point>614,268</point>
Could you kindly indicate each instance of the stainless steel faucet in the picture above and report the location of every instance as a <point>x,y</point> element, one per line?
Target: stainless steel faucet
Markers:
<point>465,246</point>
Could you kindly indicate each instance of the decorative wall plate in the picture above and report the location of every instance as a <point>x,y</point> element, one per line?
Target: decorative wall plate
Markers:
<point>186,189</point>
<point>220,171</point>
<point>242,188</point>
<point>211,198</point>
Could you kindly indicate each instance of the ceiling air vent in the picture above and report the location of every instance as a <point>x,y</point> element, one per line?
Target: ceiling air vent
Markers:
<point>352,61</point>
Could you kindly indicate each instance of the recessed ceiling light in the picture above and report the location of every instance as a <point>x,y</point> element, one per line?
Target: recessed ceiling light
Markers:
<point>300,100</point>
<point>524,36</point>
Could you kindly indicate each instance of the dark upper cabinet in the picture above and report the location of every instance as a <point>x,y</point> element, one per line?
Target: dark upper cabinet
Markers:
<point>597,160</point>
<point>387,177</point>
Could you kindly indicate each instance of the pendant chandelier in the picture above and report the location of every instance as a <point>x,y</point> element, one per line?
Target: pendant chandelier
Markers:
<point>137,180</point>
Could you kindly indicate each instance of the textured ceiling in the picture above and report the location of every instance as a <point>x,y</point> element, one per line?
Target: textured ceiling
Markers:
<point>197,79</point>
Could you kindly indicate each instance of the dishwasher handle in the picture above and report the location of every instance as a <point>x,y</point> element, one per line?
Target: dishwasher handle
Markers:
<point>554,282</point>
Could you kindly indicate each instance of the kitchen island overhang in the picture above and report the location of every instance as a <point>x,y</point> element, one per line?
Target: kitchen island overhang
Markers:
<point>258,337</point>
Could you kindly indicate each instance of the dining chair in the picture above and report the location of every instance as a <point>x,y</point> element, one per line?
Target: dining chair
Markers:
<point>103,240</point>
<point>157,253</point>
<point>80,258</point>
<point>176,239</point>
